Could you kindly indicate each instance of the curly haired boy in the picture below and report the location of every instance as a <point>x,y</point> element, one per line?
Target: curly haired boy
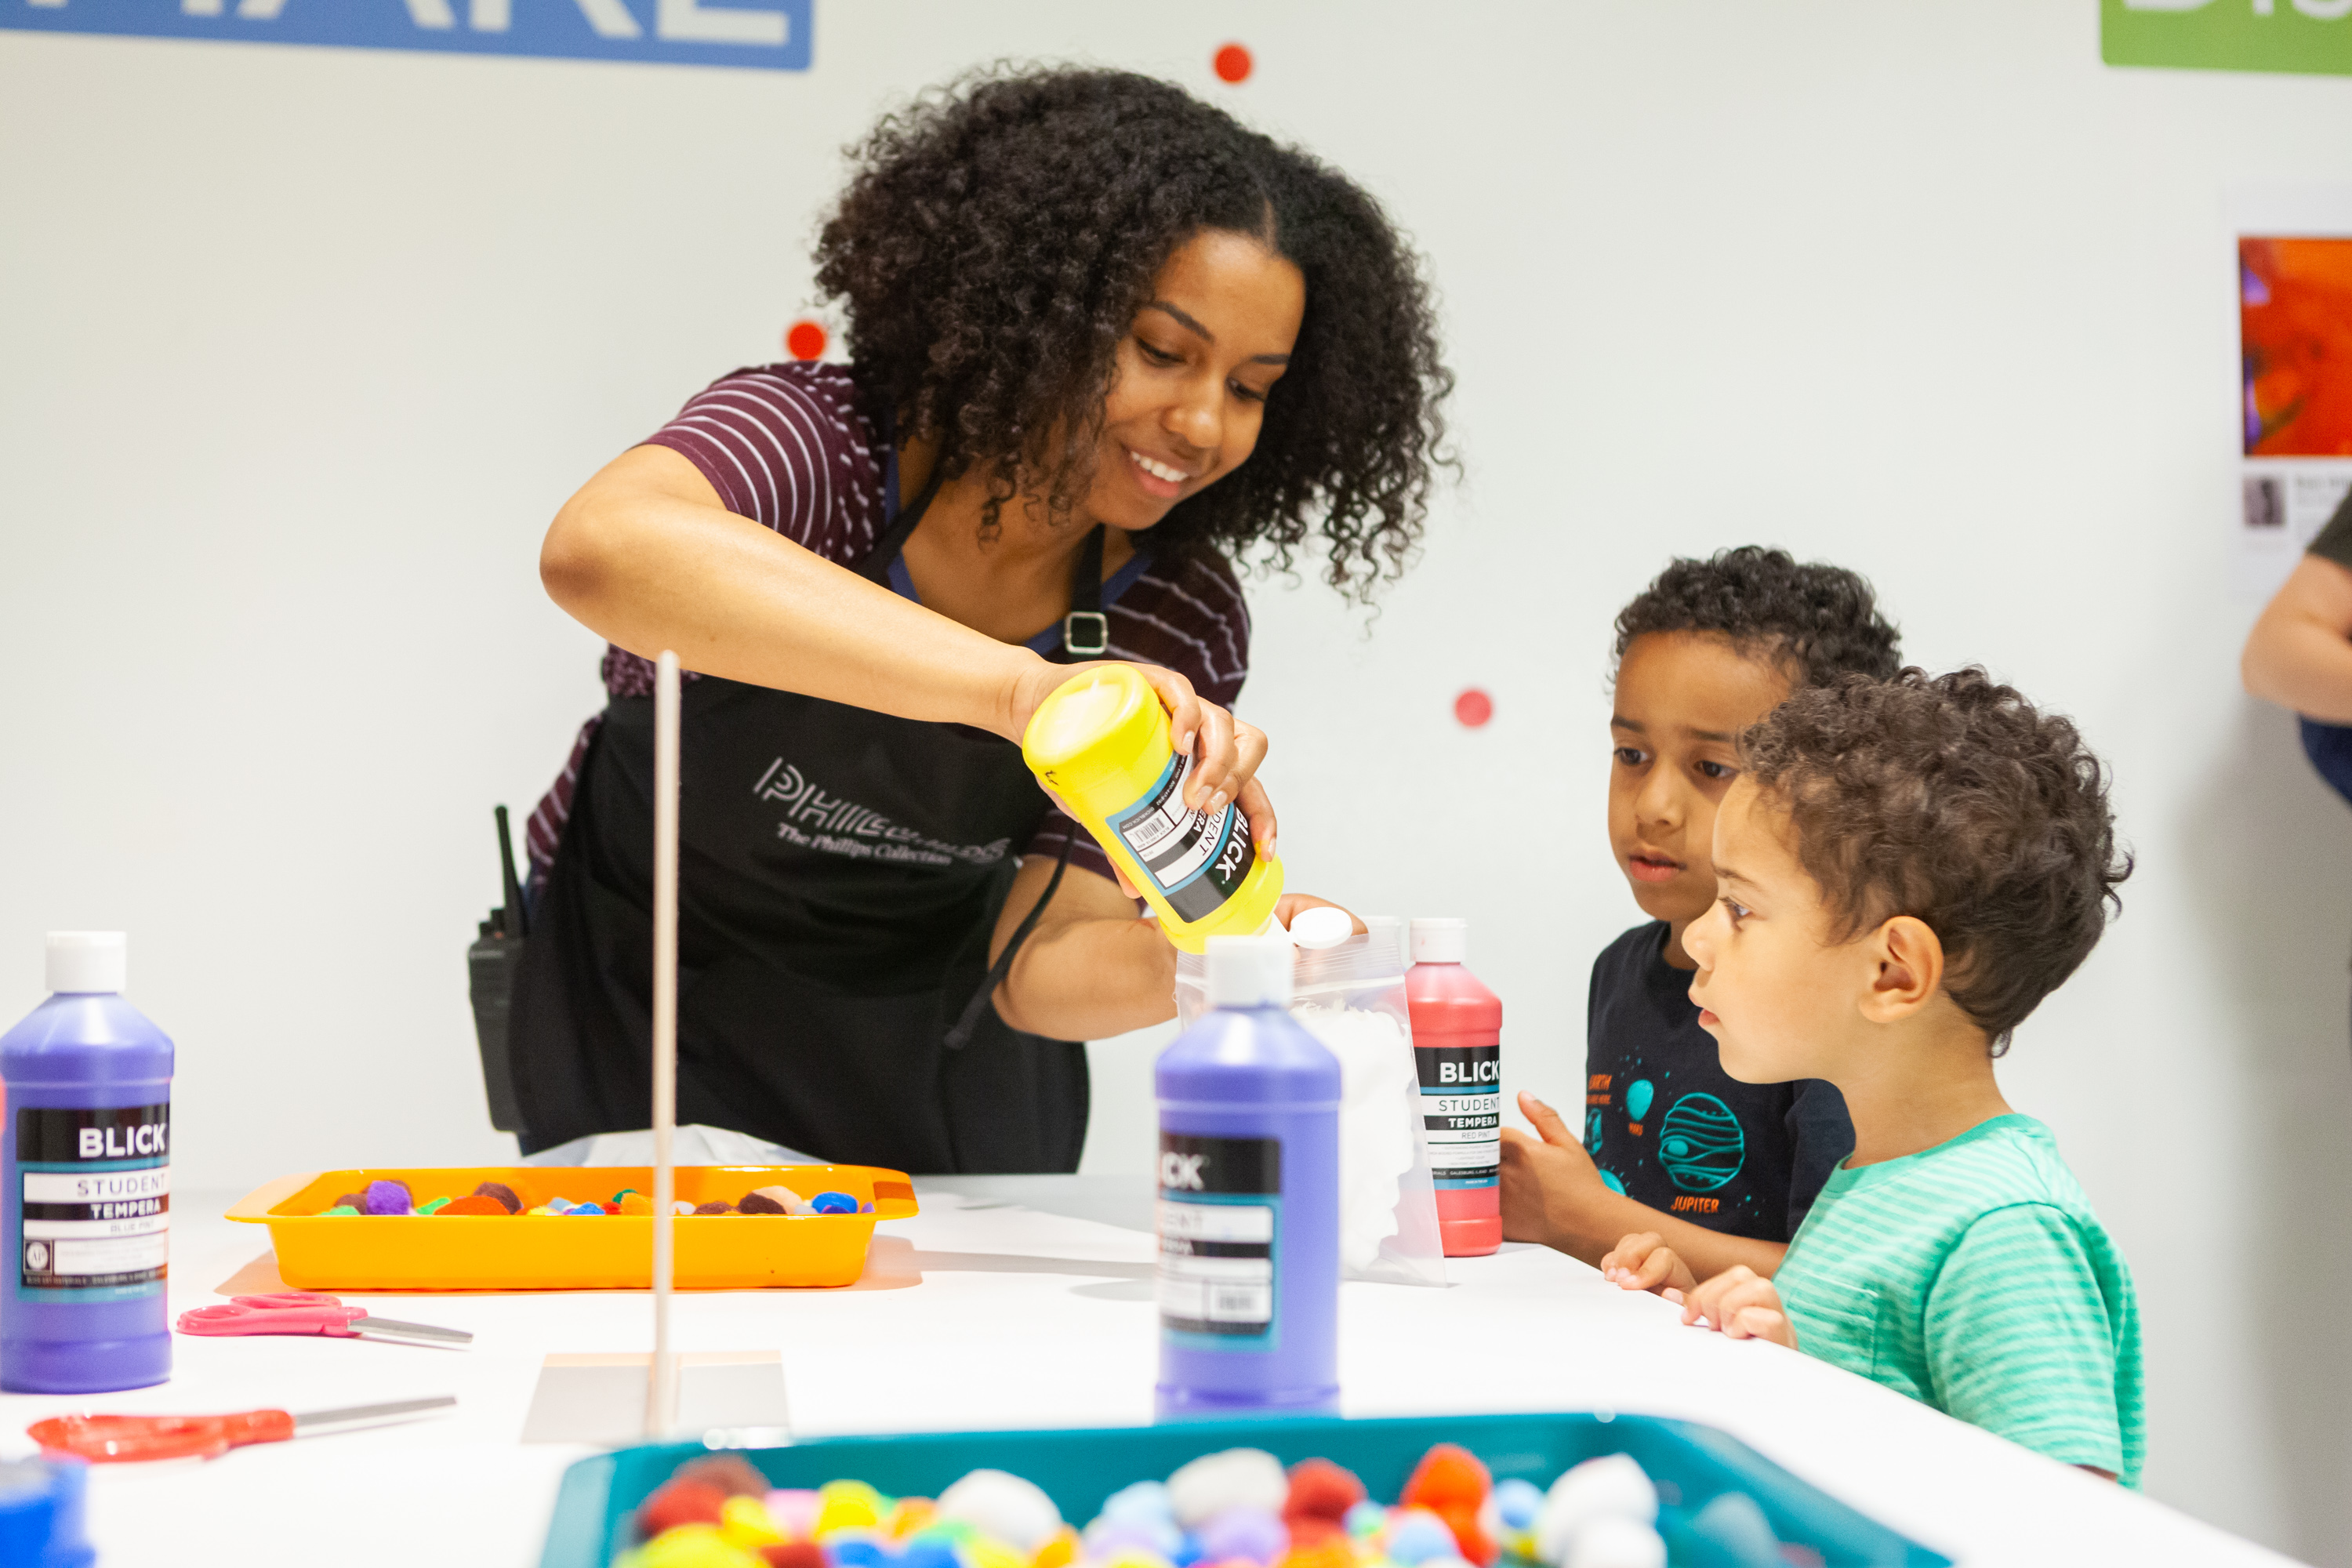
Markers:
<point>1905,870</point>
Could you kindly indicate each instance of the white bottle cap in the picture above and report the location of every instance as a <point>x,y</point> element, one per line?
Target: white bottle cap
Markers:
<point>1439,941</point>
<point>86,962</point>
<point>1321,927</point>
<point>1249,972</point>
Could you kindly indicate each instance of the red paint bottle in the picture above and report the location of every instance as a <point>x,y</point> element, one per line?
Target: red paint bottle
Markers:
<point>1457,1045</point>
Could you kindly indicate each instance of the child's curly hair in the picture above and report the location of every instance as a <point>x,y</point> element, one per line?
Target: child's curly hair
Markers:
<point>998,235</point>
<point>1951,799</point>
<point>1821,619</point>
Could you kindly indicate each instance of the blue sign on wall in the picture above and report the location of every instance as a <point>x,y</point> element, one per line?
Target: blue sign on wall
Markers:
<point>768,34</point>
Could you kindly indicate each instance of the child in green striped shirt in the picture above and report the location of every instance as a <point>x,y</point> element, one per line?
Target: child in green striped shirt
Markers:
<point>1905,868</point>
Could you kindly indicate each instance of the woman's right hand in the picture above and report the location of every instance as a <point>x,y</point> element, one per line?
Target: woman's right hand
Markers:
<point>1227,752</point>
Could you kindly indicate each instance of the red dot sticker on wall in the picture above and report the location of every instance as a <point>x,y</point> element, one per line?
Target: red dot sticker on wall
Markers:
<point>806,339</point>
<point>1473,708</point>
<point>1232,63</point>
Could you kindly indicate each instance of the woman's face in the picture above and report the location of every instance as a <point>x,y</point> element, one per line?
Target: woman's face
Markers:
<point>1194,374</point>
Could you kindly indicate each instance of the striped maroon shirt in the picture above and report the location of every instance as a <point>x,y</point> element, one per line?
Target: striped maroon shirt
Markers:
<point>789,446</point>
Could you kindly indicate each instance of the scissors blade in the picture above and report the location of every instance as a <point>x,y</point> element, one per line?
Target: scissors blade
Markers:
<point>390,1327</point>
<point>309,1423</point>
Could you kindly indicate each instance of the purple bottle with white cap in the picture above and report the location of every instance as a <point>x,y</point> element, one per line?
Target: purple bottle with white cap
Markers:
<point>85,1182</point>
<point>1249,1198</point>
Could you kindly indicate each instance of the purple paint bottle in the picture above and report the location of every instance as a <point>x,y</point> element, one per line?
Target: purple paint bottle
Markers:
<point>85,1182</point>
<point>1249,1198</point>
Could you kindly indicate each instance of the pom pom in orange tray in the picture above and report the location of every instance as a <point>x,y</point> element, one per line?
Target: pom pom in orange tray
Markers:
<point>473,1203</point>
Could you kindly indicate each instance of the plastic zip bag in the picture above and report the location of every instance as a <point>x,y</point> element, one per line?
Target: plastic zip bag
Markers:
<point>1351,997</point>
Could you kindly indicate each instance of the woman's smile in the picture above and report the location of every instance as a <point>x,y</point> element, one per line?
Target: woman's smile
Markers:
<point>1160,480</point>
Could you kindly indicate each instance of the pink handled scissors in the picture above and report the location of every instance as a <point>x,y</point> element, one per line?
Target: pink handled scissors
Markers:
<point>308,1312</point>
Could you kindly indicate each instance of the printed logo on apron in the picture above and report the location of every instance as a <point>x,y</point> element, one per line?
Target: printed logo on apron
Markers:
<point>813,819</point>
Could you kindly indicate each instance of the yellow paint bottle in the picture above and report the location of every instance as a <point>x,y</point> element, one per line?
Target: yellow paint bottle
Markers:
<point>1100,741</point>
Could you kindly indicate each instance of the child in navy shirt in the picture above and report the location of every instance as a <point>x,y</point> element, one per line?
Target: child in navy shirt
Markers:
<point>1668,1142</point>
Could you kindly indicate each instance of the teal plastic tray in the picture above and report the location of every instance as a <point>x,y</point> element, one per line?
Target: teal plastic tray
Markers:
<point>1692,1464</point>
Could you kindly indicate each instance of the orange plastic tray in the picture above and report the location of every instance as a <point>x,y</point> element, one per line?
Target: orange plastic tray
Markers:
<point>544,1252</point>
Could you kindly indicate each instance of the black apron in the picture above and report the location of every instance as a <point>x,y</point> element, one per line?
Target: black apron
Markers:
<point>840,874</point>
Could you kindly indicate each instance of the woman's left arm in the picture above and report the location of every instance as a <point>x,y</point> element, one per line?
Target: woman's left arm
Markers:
<point>1091,968</point>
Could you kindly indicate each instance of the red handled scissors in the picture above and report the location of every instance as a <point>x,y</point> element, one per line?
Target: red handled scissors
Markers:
<point>107,1439</point>
<point>308,1313</point>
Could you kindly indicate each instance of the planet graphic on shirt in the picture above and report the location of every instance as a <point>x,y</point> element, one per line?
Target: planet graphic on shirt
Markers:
<point>1593,1132</point>
<point>1700,1143</point>
<point>1638,1095</point>
<point>1614,1182</point>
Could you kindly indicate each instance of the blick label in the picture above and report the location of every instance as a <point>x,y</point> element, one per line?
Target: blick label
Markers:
<point>1196,860</point>
<point>1220,1226</point>
<point>94,1206</point>
<point>1462,1106</point>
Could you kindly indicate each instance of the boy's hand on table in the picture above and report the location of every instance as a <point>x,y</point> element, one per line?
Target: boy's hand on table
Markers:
<point>1545,1183</point>
<point>1645,1262</point>
<point>1743,1304</point>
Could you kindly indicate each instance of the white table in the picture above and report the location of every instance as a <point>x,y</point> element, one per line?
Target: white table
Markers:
<point>990,1311</point>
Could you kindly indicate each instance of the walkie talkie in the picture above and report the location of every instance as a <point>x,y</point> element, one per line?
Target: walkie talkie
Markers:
<point>491,964</point>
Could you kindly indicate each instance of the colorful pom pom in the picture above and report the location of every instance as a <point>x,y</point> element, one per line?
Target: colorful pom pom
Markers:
<point>503,1193</point>
<point>730,1473</point>
<point>761,1203</point>
<point>1015,1511</point>
<point>1319,1548</point>
<point>473,1203</point>
<point>389,1198</point>
<point>635,1203</point>
<point>847,1505</point>
<point>675,1502</point>
<point>834,1203</point>
<point>1415,1535</point>
<point>1246,1535</point>
<point>694,1546</point>
<point>1452,1483</point>
<point>1238,1477</point>
<point>794,1509</point>
<point>794,1554</point>
<point>987,1552</point>
<point>907,1515</point>
<point>789,1200</point>
<point>1515,1502</point>
<point>744,1521</point>
<point>338,1209</point>
<point>1061,1549</point>
<point>1320,1490</point>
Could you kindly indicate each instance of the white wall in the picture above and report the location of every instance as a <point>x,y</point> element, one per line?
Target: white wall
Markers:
<point>300,349</point>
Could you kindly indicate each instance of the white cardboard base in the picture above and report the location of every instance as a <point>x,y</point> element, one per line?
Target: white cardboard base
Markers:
<point>602,1398</point>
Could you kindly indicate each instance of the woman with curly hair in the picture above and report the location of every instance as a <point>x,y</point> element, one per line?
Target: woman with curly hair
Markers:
<point>1104,339</point>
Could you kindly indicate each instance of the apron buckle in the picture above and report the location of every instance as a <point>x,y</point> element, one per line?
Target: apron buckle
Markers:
<point>1086,632</point>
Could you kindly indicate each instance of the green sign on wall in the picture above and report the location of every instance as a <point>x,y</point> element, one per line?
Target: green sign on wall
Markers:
<point>2311,35</point>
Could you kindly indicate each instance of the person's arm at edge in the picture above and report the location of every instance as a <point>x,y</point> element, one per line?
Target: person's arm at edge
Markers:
<point>2299,654</point>
<point>1553,1193</point>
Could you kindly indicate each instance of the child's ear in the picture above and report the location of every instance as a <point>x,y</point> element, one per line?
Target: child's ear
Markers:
<point>1909,964</point>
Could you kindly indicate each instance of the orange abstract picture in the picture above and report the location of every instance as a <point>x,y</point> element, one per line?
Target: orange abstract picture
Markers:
<point>2294,335</point>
